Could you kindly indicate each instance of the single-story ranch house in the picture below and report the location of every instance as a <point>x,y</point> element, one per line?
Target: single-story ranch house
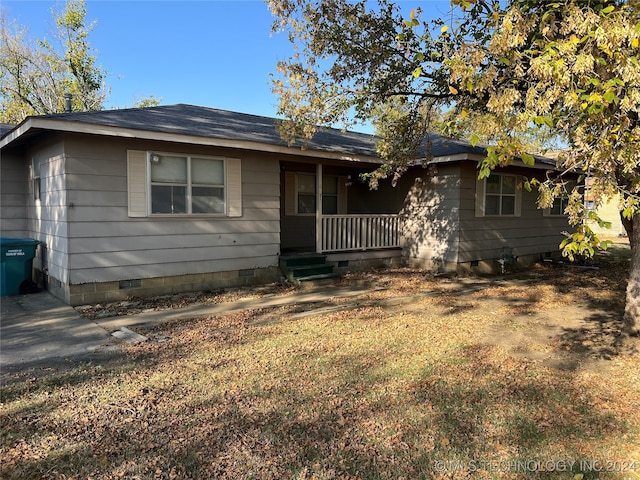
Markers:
<point>167,199</point>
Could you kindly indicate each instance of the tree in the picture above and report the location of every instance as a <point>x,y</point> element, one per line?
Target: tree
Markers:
<point>144,102</point>
<point>35,77</point>
<point>502,68</point>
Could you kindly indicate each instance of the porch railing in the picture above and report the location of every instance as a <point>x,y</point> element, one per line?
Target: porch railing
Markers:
<point>359,232</point>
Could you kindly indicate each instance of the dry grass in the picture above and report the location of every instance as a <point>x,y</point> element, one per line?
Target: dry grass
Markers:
<point>438,385</point>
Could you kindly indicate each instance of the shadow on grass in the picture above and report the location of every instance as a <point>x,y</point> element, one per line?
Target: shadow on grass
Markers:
<point>467,412</point>
<point>589,322</point>
<point>304,408</point>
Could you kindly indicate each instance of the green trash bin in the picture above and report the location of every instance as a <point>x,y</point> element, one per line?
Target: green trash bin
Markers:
<point>16,260</point>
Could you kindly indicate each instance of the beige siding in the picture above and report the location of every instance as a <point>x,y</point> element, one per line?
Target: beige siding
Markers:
<point>109,245</point>
<point>609,212</point>
<point>51,217</point>
<point>14,191</point>
<point>431,217</point>
<point>484,238</point>
<point>47,217</point>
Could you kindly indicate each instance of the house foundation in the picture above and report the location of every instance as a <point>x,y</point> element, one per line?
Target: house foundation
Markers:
<point>99,292</point>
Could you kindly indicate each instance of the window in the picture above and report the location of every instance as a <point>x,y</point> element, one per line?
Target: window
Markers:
<point>306,194</point>
<point>559,205</point>
<point>306,190</point>
<point>329,195</point>
<point>35,175</point>
<point>183,184</point>
<point>561,202</point>
<point>500,195</point>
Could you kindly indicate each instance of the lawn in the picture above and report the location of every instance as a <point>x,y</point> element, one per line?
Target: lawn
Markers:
<point>422,377</point>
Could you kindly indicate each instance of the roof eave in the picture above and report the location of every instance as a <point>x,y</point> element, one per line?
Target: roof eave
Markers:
<point>17,132</point>
<point>111,131</point>
<point>460,157</point>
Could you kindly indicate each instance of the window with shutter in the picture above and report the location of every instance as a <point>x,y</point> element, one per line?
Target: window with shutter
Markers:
<point>182,184</point>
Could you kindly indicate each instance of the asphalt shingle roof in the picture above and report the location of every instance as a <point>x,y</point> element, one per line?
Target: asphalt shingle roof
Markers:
<point>6,128</point>
<point>208,122</point>
<point>214,123</point>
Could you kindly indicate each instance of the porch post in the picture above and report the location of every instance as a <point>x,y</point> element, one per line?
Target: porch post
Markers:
<point>319,208</point>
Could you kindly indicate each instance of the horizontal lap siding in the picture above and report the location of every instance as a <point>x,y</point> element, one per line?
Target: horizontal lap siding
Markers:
<point>108,245</point>
<point>430,217</point>
<point>484,238</point>
<point>47,217</point>
<point>13,196</point>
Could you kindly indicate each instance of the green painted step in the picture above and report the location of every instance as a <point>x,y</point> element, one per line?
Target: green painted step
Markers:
<point>302,260</point>
<point>308,270</point>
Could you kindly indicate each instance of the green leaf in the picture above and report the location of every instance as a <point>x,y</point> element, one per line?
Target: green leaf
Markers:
<point>474,139</point>
<point>605,244</point>
<point>608,9</point>
<point>528,159</point>
<point>628,213</point>
<point>542,120</point>
<point>484,172</point>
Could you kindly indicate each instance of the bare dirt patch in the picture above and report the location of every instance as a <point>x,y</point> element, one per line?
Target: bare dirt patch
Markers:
<point>563,315</point>
<point>420,377</point>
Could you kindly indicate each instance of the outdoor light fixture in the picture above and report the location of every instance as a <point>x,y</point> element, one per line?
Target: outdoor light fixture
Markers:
<point>155,159</point>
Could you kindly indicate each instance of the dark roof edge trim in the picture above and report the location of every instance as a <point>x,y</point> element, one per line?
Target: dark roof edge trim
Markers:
<point>538,165</point>
<point>93,129</point>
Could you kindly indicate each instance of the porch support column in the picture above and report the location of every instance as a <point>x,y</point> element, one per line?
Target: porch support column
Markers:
<point>319,208</point>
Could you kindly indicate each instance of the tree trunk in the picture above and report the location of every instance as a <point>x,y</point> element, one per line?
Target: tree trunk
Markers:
<point>632,306</point>
<point>628,226</point>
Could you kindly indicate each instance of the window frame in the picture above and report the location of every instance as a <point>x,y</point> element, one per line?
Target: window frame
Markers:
<point>36,178</point>
<point>297,194</point>
<point>481,197</point>
<point>564,202</point>
<point>335,195</point>
<point>188,186</point>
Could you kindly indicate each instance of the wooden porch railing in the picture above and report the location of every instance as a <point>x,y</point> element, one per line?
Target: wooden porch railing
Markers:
<point>359,232</point>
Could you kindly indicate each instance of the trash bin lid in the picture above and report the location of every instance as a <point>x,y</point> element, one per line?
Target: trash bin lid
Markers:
<point>16,242</point>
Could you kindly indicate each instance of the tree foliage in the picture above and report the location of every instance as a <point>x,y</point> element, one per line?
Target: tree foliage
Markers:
<point>35,76</point>
<point>502,70</point>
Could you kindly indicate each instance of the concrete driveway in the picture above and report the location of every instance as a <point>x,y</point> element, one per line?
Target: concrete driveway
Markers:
<point>39,331</point>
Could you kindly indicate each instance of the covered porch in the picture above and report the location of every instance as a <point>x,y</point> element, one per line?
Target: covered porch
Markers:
<point>327,209</point>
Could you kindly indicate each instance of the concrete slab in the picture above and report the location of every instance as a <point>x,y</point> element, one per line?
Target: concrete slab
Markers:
<point>38,328</point>
<point>128,336</point>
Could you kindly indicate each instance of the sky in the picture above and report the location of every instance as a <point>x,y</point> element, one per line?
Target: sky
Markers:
<point>214,53</point>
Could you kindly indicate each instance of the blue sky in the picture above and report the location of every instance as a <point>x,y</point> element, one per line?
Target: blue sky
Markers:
<point>213,53</point>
